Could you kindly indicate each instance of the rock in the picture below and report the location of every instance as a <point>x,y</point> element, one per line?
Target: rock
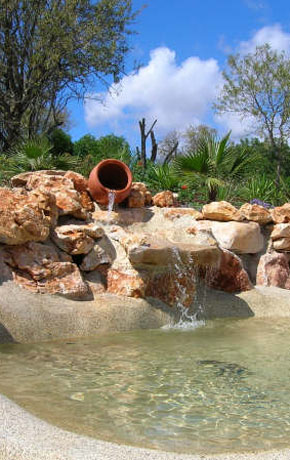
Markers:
<point>68,200</point>
<point>20,180</point>
<point>163,199</point>
<point>97,256</point>
<point>177,213</point>
<point>256,213</point>
<point>79,181</point>
<point>273,270</point>
<point>281,214</point>
<point>22,219</point>
<point>221,211</point>
<point>37,267</point>
<point>76,239</point>
<point>94,279</point>
<point>127,283</point>
<point>240,237</point>
<point>139,196</point>
<point>280,231</point>
<point>230,276</point>
<point>283,244</point>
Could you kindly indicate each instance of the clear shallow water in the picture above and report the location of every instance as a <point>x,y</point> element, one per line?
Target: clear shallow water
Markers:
<point>222,387</point>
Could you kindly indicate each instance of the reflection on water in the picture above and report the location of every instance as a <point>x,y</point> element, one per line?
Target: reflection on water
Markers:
<point>224,386</point>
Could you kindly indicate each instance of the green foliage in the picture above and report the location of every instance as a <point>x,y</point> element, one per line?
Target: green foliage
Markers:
<point>61,142</point>
<point>260,187</point>
<point>257,86</point>
<point>51,50</point>
<point>34,155</point>
<point>162,177</point>
<point>215,164</point>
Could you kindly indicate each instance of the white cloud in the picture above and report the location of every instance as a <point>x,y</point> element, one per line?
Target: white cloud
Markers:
<point>274,35</point>
<point>239,127</point>
<point>175,95</point>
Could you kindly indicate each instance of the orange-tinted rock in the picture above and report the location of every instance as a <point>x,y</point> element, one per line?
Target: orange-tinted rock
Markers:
<point>273,270</point>
<point>37,267</point>
<point>221,211</point>
<point>176,213</point>
<point>21,218</point>
<point>127,283</point>
<point>240,237</point>
<point>281,214</point>
<point>163,199</point>
<point>76,239</point>
<point>139,196</point>
<point>79,181</point>
<point>230,276</point>
<point>256,213</point>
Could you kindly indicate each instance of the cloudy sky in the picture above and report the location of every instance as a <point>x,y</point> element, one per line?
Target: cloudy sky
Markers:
<point>182,48</point>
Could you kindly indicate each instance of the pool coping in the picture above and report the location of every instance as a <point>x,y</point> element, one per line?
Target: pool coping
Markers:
<point>26,437</point>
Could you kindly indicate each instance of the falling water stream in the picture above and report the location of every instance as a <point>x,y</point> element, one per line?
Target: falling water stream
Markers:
<point>111,202</point>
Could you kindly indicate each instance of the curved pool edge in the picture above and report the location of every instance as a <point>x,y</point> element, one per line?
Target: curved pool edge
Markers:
<point>26,437</point>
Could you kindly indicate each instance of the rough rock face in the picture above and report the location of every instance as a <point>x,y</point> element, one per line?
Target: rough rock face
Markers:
<point>68,188</point>
<point>273,270</point>
<point>221,211</point>
<point>176,213</point>
<point>38,268</point>
<point>256,213</point>
<point>76,239</point>
<point>281,214</point>
<point>139,196</point>
<point>163,199</point>
<point>22,219</point>
<point>96,257</point>
<point>240,237</point>
<point>283,244</point>
<point>280,231</point>
<point>230,276</point>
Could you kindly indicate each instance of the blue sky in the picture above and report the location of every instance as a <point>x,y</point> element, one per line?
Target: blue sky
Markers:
<point>182,46</point>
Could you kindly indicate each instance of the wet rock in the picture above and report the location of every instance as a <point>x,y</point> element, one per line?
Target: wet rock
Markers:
<point>22,219</point>
<point>127,283</point>
<point>230,276</point>
<point>256,213</point>
<point>37,267</point>
<point>163,199</point>
<point>76,239</point>
<point>240,237</point>
<point>221,211</point>
<point>273,270</point>
<point>281,214</point>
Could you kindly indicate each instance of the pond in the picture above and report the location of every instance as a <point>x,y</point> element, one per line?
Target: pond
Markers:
<point>222,386</point>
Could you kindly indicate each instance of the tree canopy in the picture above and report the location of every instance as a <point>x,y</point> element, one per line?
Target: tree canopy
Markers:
<point>257,86</point>
<point>50,49</point>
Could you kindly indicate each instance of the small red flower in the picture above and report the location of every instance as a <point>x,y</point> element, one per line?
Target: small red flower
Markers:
<point>184,187</point>
<point>140,163</point>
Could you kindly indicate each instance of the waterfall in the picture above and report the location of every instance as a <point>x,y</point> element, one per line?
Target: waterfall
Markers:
<point>111,196</point>
<point>187,319</point>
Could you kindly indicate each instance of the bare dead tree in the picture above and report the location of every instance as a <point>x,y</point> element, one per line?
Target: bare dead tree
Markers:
<point>154,148</point>
<point>144,136</point>
<point>172,152</point>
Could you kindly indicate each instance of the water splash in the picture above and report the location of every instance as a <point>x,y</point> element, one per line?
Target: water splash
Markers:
<point>188,320</point>
<point>111,196</point>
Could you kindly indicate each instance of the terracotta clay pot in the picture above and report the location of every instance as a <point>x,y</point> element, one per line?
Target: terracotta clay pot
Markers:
<point>110,176</point>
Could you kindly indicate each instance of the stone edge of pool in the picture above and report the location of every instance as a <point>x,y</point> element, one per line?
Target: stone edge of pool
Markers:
<point>25,437</point>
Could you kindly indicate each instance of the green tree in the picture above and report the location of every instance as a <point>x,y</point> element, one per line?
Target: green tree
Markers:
<point>193,134</point>
<point>61,142</point>
<point>214,163</point>
<point>51,49</point>
<point>258,86</point>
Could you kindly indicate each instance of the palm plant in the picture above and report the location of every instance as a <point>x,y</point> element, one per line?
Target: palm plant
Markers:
<point>162,177</point>
<point>36,154</point>
<point>215,164</point>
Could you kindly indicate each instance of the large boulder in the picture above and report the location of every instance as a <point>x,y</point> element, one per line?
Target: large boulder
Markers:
<point>68,189</point>
<point>39,268</point>
<point>240,237</point>
<point>256,213</point>
<point>177,213</point>
<point>23,217</point>
<point>221,211</point>
<point>230,276</point>
<point>273,270</point>
<point>280,231</point>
